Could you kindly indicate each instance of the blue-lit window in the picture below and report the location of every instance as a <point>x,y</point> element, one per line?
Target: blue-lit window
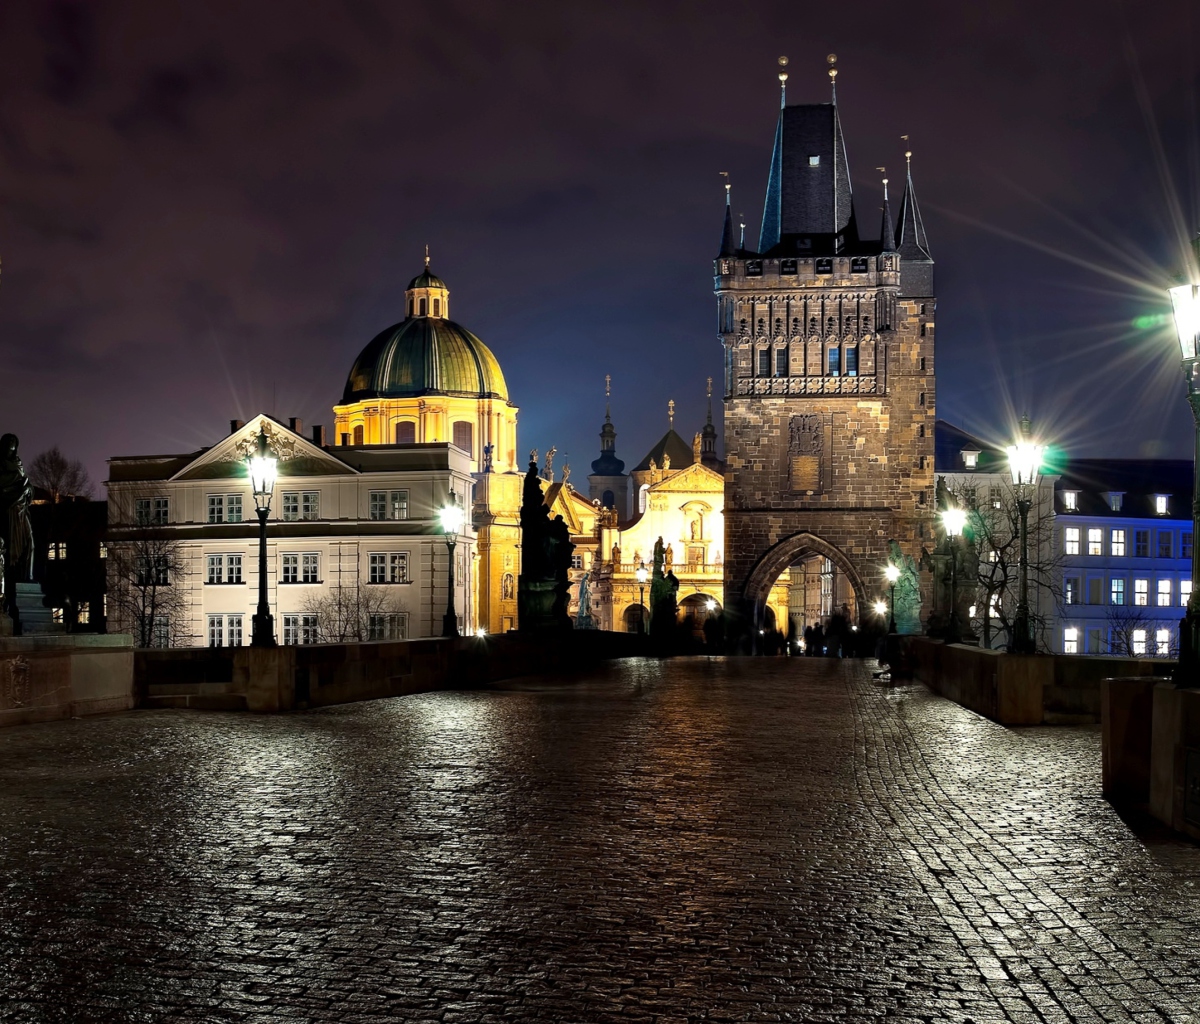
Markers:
<point>834,362</point>
<point>764,362</point>
<point>852,361</point>
<point>781,362</point>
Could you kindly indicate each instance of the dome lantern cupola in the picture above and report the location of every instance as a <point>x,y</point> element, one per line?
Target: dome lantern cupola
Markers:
<point>427,294</point>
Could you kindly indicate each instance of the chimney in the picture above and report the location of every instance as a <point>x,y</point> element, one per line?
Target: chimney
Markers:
<point>295,425</point>
<point>236,425</point>
<point>319,436</point>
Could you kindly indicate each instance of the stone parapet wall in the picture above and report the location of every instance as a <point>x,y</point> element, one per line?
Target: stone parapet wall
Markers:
<point>44,678</point>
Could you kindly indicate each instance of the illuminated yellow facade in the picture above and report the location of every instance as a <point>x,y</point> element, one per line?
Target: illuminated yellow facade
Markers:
<point>429,380</point>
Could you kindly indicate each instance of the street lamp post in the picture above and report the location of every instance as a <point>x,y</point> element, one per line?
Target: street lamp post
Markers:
<point>262,467</point>
<point>451,516</point>
<point>1024,461</point>
<point>954,520</point>
<point>642,576</point>
<point>1186,302</point>
<point>892,572</point>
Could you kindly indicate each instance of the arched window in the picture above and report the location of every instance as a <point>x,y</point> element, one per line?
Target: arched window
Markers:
<point>781,362</point>
<point>410,307</point>
<point>358,434</point>
<point>642,497</point>
<point>437,307</point>
<point>851,360</point>
<point>764,362</point>
<point>464,435</point>
<point>422,313</point>
<point>406,432</point>
<point>834,364</point>
<point>608,499</point>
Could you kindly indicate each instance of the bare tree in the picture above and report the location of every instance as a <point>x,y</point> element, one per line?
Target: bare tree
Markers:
<point>1132,633</point>
<point>356,611</point>
<point>994,529</point>
<point>147,594</point>
<point>59,476</point>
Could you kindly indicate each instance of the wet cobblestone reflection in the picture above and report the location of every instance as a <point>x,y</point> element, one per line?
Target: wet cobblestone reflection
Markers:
<point>692,840</point>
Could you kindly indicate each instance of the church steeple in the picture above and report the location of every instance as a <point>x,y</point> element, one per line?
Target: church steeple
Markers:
<point>911,242</point>
<point>727,230</point>
<point>608,464</point>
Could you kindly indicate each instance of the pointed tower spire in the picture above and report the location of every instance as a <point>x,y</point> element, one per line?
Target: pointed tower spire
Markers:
<point>887,229</point>
<point>727,230</point>
<point>742,222</point>
<point>911,242</point>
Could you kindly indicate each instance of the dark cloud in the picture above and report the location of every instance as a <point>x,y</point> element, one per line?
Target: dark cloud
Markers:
<point>68,31</point>
<point>166,97</point>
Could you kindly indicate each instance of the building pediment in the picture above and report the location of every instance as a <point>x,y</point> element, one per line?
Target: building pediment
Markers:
<point>297,455</point>
<point>697,478</point>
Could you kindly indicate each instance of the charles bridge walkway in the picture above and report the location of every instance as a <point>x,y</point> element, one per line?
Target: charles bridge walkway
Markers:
<point>693,840</point>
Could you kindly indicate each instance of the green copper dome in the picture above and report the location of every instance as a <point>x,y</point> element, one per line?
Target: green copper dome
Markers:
<point>426,279</point>
<point>425,356</point>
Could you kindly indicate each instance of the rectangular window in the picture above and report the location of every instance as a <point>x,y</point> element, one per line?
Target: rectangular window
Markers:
<point>291,630</point>
<point>233,508</point>
<point>994,498</point>
<point>1164,593</point>
<point>216,570</point>
<point>299,629</point>
<point>141,511</point>
<point>399,502</point>
<point>1095,541</point>
<point>1117,542</point>
<point>291,506</point>
<point>1160,503</point>
<point>233,625</point>
<point>1071,591</point>
<point>308,629</point>
<point>1166,543</point>
<point>1162,643</point>
<point>1070,640</point>
<point>216,631</point>
<point>1115,501</point>
<point>1071,501</point>
<point>389,504</point>
<point>216,508</point>
<point>378,568</point>
<point>159,514</point>
<point>387,627</point>
<point>1071,540</point>
<point>291,569</point>
<point>160,631</point>
<point>834,362</point>
<point>1185,544</point>
<point>852,361</point>
<point>398,567</point>
<point>764,362</point>
<point>311,565</point>
<point>1185,592</point>
<point>103,550</point>
<point>57,616</point>
<point>1094,585</point>
<point>1095,640</point>
<point>233,568</point>
<point>150,510</point>
<point>83,613</point>
<point>1117,590</point>
<point>378,505</point>
<point>310,504</point>
<point>55,551</point>
<point>781,362</point>
<point>1141,543</point>
<point>577,561</point>
<point>1141,592</point>
<point>1139,641</point>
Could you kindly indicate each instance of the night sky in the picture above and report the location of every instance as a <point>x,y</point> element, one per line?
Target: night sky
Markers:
<point>207,210</point>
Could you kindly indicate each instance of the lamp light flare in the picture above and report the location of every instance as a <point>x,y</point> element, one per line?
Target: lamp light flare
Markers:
<point>451,518</point>
<point>954,520</point>
<point>1185,300</point>
<point>892,572</point>
<point>880,607</point>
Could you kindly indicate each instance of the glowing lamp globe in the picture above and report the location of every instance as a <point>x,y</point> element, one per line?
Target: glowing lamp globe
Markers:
<point>880,607</point>
<point>641,573</point>
<point>1024,462</point>
<point>954,520</point>
<point>263,469</point>
<point>892,572</point>
<point>1186,302</point>
<point>451,518</point>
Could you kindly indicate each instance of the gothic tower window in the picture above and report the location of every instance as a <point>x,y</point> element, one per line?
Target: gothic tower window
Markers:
<point>422,308</point>
<point>834,362</point>
<point>764,362</point>
<point>781,362</point>
<point>851,360</point>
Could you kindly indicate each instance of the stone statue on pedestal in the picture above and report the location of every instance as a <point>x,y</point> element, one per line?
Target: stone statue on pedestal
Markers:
<point>543,586</point>
<point>663,588</point>
<point>16,534</point>
<point>907,608</point>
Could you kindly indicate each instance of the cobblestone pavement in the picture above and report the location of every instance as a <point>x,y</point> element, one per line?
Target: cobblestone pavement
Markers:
<point>696,840</point>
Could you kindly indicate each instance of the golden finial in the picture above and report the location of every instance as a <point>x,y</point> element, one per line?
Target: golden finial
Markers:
<point>426,257</point>
<point>710,387</point>
<point>728,186</point>
<point>783,62</point>
<point>831,60</point>
<point>671,412</point>
<point>883,170</point>
<point>608,385</point>
<point>742,224</point>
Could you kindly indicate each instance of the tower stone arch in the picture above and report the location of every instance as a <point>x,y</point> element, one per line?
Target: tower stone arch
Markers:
<point>775,561</point>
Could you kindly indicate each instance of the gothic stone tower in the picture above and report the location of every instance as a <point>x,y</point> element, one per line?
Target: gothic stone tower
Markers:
<point>829,374</point>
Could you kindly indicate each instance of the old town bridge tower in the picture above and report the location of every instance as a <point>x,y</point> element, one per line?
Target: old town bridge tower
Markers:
<point>829,375</point>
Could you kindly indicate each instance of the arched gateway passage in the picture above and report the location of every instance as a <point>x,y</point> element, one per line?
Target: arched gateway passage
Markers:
<point>806,579</point>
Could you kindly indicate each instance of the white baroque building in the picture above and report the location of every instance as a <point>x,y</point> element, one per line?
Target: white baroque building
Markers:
<point>354,543</point>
